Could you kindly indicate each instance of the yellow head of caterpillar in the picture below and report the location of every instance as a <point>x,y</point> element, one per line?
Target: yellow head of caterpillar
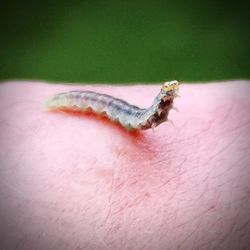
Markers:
<point>170,86</point>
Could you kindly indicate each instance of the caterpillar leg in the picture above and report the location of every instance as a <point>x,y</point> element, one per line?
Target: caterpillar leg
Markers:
<point>170,121</point>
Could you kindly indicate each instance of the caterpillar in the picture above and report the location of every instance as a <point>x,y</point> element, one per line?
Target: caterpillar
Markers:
<point>129,116</point>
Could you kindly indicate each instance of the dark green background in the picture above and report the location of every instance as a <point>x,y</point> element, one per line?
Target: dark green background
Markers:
<point>124,41</point>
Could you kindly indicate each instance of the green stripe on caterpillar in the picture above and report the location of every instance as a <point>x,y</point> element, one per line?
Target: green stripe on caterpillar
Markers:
<point>129,116</point>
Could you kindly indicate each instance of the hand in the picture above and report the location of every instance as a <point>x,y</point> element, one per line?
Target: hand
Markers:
<point>81,182</point>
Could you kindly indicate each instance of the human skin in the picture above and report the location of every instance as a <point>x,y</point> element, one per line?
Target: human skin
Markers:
<point>72,181</point>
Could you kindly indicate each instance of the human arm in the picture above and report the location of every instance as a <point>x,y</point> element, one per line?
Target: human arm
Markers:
<point>80,182</point>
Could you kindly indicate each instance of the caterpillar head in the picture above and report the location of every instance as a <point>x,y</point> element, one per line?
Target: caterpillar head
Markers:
<point>168,92</point>
<point>164,101</point>
<point>170,87</point>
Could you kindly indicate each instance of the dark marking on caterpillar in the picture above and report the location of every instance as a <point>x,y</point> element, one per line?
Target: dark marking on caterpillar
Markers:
<point>129,116</point>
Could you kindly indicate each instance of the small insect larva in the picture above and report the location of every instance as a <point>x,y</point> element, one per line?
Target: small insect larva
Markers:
<point>129,116</point>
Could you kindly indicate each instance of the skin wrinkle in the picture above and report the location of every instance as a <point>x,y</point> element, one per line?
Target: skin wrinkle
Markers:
<point>125,187</point>
<point>230,168</point>
<point>135,202</point>
<point>227,234</point>
<point>111,207</point>
<point>107,217</point>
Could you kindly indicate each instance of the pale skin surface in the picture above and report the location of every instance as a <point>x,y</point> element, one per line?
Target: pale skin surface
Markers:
<point>80,182</point>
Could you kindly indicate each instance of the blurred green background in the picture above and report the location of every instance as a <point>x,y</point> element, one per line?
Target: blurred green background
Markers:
<point>124,41</point>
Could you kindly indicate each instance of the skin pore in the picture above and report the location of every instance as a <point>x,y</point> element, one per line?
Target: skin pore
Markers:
<point>77,181</point>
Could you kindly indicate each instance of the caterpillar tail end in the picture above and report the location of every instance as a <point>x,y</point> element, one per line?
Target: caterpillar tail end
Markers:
<point>52,104</point>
